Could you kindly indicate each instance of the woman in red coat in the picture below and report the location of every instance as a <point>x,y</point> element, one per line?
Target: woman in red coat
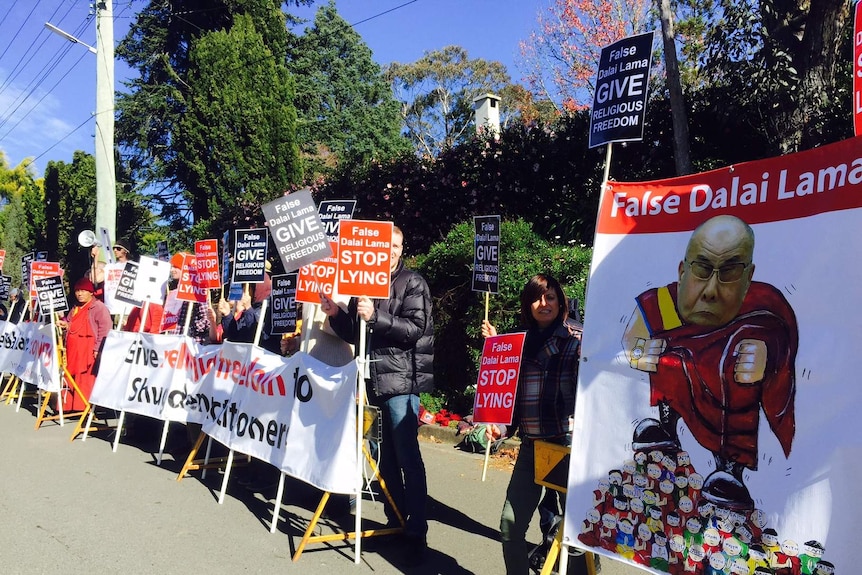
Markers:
<point>87,326</point>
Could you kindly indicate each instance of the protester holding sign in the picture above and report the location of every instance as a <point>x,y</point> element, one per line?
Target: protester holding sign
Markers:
<point>17,306</point>
<point>200,325</point>
<point>240,323</point>
<point>544,403</point>
<point>87,326</point>
<point>401,353</point>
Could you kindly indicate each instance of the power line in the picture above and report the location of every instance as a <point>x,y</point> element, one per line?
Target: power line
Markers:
<point>58,142</point>
<point>21,27</point>
<point>21,65</point>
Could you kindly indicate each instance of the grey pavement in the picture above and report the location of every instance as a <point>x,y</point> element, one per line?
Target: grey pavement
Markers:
<point>79,507</point>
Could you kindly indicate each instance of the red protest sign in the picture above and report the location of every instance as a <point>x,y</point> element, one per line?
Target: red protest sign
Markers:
<point>2,258</point>
<point>364,252</point>
<point>318,277</point>
<point>188,288</point>
<point>498,379</point>
<point>42,270</point>
<point>206,264</point>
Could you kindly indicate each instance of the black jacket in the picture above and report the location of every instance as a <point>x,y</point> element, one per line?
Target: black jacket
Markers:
<point>400,336</point>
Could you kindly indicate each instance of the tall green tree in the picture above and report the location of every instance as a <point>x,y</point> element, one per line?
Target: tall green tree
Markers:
<point>160,47</point>
<point>70,193</point>
<point>346,110</point>
<point>22,215</point>
<point>236,143</point>
<point>785,63</point>
<point>437,92</point>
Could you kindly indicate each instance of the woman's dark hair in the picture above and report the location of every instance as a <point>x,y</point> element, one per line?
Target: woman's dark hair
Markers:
<point>535,288</point>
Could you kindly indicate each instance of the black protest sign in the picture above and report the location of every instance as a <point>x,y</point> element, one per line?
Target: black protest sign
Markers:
<point>333,211</point>
<point>296,230</point>
<point>619,102</point>
<point>162,253</point>
<point>486,254</point>
<point>225,258</point>
<point>5,286</point>
<point>282,304</point>
<point>126,288</point>
<point>26,260</point>
<point>52,296</point>
<point>249,256</point>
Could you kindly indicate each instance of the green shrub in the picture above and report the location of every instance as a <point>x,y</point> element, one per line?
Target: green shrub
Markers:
<point>458,311</point>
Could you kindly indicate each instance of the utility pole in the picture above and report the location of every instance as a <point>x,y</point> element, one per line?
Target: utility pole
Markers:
<point>106,176</point>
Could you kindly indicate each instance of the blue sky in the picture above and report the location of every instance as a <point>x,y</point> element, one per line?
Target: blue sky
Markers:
<point>47,84</point>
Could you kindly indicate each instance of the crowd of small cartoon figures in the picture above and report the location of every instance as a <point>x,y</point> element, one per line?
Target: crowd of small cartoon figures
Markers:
<point>650,512</point>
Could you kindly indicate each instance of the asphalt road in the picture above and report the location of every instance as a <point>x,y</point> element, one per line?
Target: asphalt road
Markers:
<point>79,507</point>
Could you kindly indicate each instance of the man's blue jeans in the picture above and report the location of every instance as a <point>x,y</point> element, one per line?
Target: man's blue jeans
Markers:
<point>401,463</point>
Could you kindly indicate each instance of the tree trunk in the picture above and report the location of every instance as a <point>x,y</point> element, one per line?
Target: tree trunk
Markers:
<point>681,151</point>
<point>816,61</point>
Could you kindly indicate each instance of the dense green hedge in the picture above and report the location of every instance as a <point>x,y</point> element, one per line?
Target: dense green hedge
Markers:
<point>458,311</point>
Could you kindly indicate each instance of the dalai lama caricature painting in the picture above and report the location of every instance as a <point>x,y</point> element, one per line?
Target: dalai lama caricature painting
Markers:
<point>718,348</point>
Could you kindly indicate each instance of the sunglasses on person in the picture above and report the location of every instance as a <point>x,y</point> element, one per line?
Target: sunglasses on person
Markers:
<point>727,274</point>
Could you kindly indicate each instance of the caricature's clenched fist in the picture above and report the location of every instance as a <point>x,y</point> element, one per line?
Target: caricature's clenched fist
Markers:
<point>644,356</point>
<point>750,361</point>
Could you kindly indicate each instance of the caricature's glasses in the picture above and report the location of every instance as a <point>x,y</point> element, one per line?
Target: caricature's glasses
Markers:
<point>727,274</point>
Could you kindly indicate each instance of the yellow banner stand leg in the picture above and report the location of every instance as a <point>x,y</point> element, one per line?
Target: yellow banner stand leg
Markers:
<point>345,536</point>
<point>551,471</point>
<point>74,389</point>
<point>192,464</point>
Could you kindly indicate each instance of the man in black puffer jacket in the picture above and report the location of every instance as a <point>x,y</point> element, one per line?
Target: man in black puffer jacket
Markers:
<point>401,353</point>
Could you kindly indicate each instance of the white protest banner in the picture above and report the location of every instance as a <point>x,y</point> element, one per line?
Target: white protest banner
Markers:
<point>497,384</point>
<point>51,294</point>
<point>27,350</point>
<point>142,373</point>
<point>11,346</point>
<point>717,389</point>
<point>318,277</point>
<point>486,254</point>
<point>113,275</point>
<point>333,211</point>
<point>296,413</point>
<point>249,256</point>
<point>364,255</point>
<point>619,101</point>
<point>282,316</point>
<point>151,282</point>
<point>296,230</point>
<point>206,263</point>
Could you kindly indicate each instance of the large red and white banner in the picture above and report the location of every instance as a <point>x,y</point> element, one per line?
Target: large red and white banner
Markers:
<point>715,427</point>
<point>295,413</point>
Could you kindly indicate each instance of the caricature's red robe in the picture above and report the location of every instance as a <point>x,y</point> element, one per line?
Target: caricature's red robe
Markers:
<point>695,372</point>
